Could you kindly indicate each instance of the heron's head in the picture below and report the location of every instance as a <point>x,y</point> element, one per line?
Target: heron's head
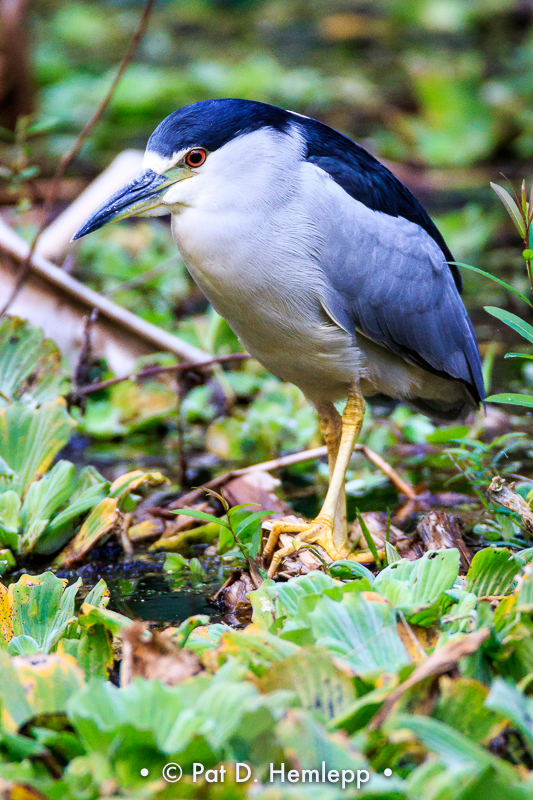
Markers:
<point>208,152</point>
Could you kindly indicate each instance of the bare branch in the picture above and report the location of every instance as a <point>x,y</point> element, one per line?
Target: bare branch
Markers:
<point>149,372</point>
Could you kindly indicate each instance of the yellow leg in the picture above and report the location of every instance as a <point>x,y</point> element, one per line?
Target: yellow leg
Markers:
<point>331,430</point>
<point>322,530</point>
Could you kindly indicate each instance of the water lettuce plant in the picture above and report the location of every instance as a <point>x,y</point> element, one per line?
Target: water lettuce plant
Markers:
<point>329,671</point>
<point>45,505</point>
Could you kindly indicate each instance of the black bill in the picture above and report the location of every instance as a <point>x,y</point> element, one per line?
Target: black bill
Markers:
<point>139,195</point>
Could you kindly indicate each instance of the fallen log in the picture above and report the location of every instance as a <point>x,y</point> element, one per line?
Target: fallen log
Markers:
<point>58,303</point>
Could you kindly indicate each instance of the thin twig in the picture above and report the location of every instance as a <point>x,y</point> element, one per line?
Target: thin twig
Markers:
<point>69,157</point>
<point>286,461</point>
<point>265,466</point>
<point>183,366</point>
<point>81,373</point>
<point>401,484</point>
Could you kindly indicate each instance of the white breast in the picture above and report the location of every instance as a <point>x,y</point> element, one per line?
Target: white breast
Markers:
<point>253,247</point>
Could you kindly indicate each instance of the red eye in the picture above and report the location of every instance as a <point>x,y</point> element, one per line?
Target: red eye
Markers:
<point>195,158</point>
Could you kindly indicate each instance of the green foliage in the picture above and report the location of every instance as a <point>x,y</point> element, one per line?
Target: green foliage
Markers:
<point>421,588</point>
<point>297,687</point>
<point>37,617</point>
<point>361,633</point>
<point>29,441</point>
<point>520,209</point>
<point>42,507</point>
<point>30,367</point>
<point>492,572</point>
<point>279,418</point>
<point>240,532</point>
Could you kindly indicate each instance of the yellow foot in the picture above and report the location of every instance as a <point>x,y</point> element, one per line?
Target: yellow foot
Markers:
<point>318,532</point>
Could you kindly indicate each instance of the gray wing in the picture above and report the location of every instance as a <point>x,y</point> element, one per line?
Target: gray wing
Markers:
<point>387,278</point>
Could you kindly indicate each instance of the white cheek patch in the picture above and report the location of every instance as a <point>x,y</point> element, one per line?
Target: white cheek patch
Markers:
<point>158,164</point>
<point>174,194</point>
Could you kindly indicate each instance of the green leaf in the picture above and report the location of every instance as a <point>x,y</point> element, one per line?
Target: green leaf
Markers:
<point>30,366</point>
<point>511,207</point>
<point>392,554</point>
<point>133,719</point>
<point>492,572</point>
<point>41,607</point>
<point>454,749</point>
<point>310,746</point>
<point>368,537</point>
<point>206,638</point>
<point>362,633</point>
<point>92,651</point>
<point>7,560</point>
<point>435,572</point>
<point>249,523</point>
<point>129,482</point>
<point>184,630</point>
<point>90,490</point>
<point>22,645</point>
<point>99,522</point>
<point>524,556</point>
<point>30,439</point>
<point>462,706</point>
<point>493,278</point>
<point>289,603</point>
<point>524,600</point>
<point>174,562</point>
<point>514,706</point>
<point>15,708</point>
<point>323,688</point>
<point>44,497</point>
<point>190,512</point>
<point>98,615</point>
<point>418,587</point>
<point>524,400</point>
<point>99,595</point>
<point>516,323</point>
<point>10,521</point>
<point>258,649</point>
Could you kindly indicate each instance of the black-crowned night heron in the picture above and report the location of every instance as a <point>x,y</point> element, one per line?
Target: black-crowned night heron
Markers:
<point>326,267</point>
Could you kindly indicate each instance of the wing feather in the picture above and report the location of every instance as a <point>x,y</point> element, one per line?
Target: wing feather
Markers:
<point>387,278</point>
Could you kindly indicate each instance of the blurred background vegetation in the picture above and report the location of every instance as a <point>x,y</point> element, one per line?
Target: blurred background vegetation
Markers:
<point>441,90</point>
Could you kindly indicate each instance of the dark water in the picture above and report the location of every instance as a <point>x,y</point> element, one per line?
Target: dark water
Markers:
<point>153,598</point>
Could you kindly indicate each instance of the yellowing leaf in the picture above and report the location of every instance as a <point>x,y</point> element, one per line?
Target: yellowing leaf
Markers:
<point>20,791</point>
<point>94,615</point>
<point>6,624</point>
<point>99,522</point>
<point>48,680</point>
<point>127,483</point>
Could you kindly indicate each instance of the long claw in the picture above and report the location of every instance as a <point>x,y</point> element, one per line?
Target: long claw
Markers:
<point>316,532</point>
